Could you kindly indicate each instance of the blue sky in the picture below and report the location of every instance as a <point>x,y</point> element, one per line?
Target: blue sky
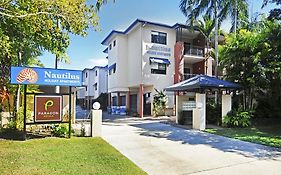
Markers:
<point>86,52</point>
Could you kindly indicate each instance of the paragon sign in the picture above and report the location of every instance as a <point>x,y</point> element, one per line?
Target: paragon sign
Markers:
<point>46,76</point>
<point>48,108</point>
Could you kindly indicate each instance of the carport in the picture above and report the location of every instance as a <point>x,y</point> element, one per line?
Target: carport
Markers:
<point>201,84</point>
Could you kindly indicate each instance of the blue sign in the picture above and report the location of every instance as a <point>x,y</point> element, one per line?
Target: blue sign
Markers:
<point>46,76</point>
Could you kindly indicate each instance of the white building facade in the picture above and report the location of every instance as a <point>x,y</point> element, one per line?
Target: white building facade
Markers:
<point>148,56</point>
<point>95,83</point>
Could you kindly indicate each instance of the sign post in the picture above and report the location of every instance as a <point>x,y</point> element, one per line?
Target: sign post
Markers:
<point>24,112</point>
<point>48,108</point>
<point>69,114</point>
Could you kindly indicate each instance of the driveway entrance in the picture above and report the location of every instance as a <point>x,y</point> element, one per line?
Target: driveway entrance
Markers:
<point>161,149</point>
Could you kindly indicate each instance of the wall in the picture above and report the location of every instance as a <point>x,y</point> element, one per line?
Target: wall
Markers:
<point>199,68</point>
<point>118,81</point>
<point>134,57</point>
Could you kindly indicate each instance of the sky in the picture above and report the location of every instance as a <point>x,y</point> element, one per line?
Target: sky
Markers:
<point>86,52</point>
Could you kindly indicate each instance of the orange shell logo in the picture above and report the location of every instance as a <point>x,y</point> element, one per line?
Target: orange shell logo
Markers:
<point>27,74</point>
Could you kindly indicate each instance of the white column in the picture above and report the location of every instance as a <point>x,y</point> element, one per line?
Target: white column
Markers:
<point>226,104</point>
<point>177,108</point>
<point>199,113</point>
<point>209,64</point>
<point>96,123</point>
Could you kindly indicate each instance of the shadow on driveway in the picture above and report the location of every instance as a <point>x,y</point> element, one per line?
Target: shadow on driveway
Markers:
<point>194,137</point>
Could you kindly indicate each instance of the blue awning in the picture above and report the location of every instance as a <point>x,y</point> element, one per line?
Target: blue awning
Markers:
<point>159,60</point>
<point>203,82</point>
<point>113,66</point>
<point>105,50</point>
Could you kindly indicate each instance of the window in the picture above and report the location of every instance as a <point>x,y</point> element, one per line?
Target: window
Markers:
<point>86,75</point>
<point>86,88</point>
<point>159,37</point>
<point>114,70</point>
<point>123,100</point>
<point>110,46</point>
<point>114,43</point>
<point>96,86</point>
<point>159,68</point>
<point>96,73</point>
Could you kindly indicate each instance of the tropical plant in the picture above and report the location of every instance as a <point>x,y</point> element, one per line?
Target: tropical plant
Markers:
<point>238,118</point>
<point>28,28</point>
<point>213,112</point>
<point>253,59</point>
<point>61,130</point>
<point>274,13</point>
<point>218,11</point>
<point>159,103</point>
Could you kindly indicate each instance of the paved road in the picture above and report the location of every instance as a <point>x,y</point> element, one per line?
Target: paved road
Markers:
<point>163,149</point>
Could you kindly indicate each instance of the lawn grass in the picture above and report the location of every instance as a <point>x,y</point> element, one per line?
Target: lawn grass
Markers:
<point>270,135</point>
<point>63,156</point>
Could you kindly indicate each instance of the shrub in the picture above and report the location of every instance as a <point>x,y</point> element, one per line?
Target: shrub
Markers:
<point>238,118</point>
<point>61,130</point>
<point>159,103</point>
<point>213,112</point>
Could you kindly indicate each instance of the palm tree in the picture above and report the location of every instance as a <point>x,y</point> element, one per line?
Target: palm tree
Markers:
<point>192,9</point>
<point>218,10</point>
<point>205,27</point>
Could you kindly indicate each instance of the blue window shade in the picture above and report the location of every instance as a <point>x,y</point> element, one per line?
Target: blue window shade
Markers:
<point>105,50</point>
<point>159,60</point>
<point>113,66</point>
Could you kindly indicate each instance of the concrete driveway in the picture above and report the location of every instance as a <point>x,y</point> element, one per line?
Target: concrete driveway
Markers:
<point>162,149</point>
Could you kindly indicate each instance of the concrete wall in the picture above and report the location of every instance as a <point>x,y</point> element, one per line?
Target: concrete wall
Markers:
<point>134,57</point>
<point>118,81</point>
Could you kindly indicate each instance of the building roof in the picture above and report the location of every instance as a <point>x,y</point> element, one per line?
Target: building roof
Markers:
<point>100,67</point>
<point>137,21</point>
<point>203,82</point>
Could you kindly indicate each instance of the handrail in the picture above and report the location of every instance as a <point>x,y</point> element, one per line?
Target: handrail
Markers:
<point>194,50</point>
<point>187,76</point>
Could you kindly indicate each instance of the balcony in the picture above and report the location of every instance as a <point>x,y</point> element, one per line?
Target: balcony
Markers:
<point>187,76</point>
<point>194,51</point>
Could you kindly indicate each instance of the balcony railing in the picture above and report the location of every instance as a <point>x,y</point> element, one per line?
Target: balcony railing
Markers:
<point>187,76</point>
<point>194,51</point>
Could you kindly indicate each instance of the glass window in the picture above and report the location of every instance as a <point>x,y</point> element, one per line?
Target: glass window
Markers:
<point>159,69</point>
<point>114,43</point>
<point>158,37</point>
<point>96,73</point>
<point>86,75</point>
<point>110,46</point>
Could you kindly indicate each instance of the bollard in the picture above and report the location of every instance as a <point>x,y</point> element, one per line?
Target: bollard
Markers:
<point>96,121</point>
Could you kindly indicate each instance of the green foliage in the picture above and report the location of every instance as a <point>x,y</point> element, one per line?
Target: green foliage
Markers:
<point>159,103</point>
<point>83,131</point>
<point>276,12</point>
<point>213,112</point>
<point>238,118</point>
<point>61,130</point>
<point>252,58</point>
<point>18,122</point>
<point>32,27</point>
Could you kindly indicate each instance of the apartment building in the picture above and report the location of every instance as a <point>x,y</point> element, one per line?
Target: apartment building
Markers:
<point>148,56</point>
<point>95,83</point>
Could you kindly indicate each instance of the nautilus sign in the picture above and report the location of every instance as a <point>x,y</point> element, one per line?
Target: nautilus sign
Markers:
<point>45,76</point>
<point>28,75</point>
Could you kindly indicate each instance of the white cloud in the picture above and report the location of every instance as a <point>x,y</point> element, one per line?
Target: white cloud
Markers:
<point>97,62</point>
